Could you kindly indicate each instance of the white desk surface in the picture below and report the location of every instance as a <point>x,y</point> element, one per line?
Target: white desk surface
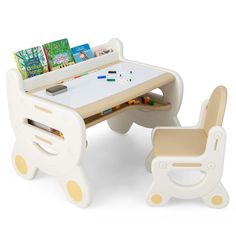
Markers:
<point>88,89</point>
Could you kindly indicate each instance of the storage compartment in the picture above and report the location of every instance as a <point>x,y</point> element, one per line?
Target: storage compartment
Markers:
<point>146,102</point>
<point>45,128</point>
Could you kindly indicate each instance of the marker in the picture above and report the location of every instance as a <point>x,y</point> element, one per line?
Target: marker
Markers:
<point>111,80</point>
<point>106,111</point>
<point>111,72</point>
<point>101,77</point>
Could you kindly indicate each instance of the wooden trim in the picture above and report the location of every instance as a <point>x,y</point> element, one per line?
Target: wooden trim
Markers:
<point>187,164</point>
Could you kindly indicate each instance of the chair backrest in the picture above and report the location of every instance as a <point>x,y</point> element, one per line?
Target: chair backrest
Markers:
<point>216,108</point>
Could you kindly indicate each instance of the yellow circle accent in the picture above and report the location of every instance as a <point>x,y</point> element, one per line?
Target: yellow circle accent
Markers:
<point>74,191</point>
<point>21,165</point>
<point>217,200</point>
<point>156,199</point>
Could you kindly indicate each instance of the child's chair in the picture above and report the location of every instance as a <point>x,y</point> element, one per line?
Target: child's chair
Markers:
<point>200,148</point>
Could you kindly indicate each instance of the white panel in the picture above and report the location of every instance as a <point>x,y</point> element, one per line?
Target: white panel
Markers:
<point>88,89</point>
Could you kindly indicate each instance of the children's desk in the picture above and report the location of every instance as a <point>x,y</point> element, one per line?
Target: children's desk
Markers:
<point>51,130</point>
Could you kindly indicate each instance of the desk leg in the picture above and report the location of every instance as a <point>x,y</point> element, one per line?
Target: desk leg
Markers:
<point>121,123</point>
<point>172,93</point>
<point>21,161</point>
<point>152,119</point>
<point>74,182</point>
<point>76,187</point>
<point>149,119</point>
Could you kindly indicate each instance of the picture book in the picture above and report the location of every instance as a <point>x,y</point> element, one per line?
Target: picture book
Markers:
<point>82,53</point>
<point>58,54</point>
<point>31,62</point>
<point>102,51</point>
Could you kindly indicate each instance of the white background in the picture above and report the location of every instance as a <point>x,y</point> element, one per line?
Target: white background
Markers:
<point>195,38</point>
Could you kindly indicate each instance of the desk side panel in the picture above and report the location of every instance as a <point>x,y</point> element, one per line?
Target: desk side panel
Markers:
<point>22,106</point>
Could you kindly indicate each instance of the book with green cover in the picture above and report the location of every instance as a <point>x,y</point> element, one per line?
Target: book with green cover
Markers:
<point>58,54</point>
<point>31,62</point>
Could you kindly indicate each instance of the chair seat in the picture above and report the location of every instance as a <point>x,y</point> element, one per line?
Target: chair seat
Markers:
<point>179,142</point>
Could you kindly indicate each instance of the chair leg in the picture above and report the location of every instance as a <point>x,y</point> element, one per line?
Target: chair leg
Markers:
<point>148,161</point>
<point>157,196</point>
<point>76,188</point>
<point>218,198</point>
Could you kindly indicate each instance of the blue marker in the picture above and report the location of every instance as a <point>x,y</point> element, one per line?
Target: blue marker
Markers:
<point>101,77</point>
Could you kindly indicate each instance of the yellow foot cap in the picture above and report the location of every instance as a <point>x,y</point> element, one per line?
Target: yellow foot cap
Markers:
<point>74,191</point>
<point>21,165</point>
<point>156,199</point>
<point>217,200</point>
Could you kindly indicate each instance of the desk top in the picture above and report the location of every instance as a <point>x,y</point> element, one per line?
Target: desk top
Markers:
<point>89,95</point>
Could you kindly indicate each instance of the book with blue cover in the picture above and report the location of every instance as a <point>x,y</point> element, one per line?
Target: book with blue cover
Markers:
<point>31,62</point>
<point>82,53</point>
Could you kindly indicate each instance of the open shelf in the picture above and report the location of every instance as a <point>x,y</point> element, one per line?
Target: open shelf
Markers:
<point>46,128</point>
<point>159,105</point>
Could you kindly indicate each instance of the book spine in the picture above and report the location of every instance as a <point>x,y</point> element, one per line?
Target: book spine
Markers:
<point>46,55</point>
